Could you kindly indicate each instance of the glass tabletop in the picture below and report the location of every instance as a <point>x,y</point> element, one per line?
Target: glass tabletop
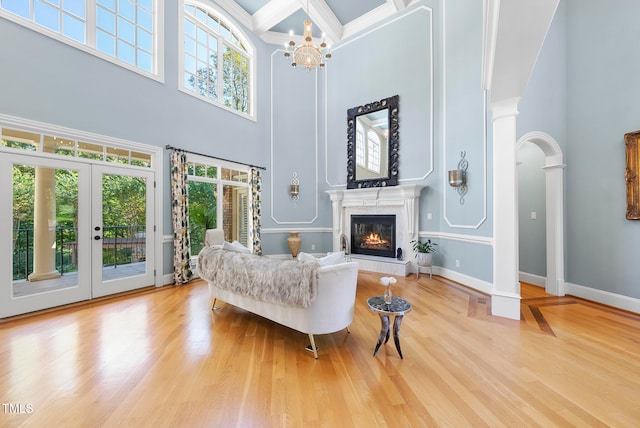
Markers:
<point>398,305</point>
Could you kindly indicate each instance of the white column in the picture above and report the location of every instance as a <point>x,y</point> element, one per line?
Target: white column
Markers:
<point>505,295</point>
<point>336,197</point>
<point>44,226</point>
<point>554,178</point>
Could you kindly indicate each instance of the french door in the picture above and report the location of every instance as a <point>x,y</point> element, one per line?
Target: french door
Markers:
<point>122,230</point>
<point>72,231</point>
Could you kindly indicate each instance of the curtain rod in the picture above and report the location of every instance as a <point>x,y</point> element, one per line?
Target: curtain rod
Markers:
<point>169,147</point>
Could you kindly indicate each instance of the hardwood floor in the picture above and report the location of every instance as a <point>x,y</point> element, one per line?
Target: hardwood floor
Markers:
<point>163,358</point>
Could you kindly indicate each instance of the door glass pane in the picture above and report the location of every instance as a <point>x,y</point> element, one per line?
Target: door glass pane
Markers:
<point>124,213</point>
<point>236,214</point>
<point>202,212</point>
<point>45,218</point>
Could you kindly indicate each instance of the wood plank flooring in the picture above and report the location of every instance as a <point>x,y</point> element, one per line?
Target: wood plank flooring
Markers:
<point>164,359</point>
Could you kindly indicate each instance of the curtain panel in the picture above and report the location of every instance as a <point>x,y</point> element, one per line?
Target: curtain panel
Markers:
<point>182,272</point>
<point>256,210</point>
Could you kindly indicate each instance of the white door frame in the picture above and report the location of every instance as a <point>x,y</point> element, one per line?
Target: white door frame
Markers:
<point>554,189</point>
<point>10,305</point>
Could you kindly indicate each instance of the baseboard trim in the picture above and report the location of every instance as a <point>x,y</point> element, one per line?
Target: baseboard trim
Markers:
<point>540,281</point>
<point>619,301</point>
<point>467,281</point>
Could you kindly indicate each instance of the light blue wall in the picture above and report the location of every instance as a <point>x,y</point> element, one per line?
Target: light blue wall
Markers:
<point>542,108</point>
<point>584,93</point>
<point>46,80</point>
<point>301,124</point>
<point>544,104</point>
<point>603,93</point>
<point>430,56</point>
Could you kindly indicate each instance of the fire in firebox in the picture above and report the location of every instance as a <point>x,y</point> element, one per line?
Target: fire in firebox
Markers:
<point>373,240</point>
<point>373,235</point>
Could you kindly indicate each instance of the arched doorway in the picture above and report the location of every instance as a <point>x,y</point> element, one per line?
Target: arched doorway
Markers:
<point>554,196</point>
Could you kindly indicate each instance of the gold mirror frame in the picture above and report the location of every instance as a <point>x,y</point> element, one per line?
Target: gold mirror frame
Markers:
<point>631,174</point>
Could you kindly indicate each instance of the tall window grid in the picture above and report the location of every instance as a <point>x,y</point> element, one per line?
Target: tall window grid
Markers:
<point>124,30</point>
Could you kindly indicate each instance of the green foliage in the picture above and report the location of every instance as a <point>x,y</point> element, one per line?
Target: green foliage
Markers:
<point>123,201</point>
<point>202,212</point>
<point>236,80</point>
<point>424,247</point>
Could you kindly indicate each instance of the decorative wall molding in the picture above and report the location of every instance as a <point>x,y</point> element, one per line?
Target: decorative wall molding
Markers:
<point>275,231</point>
<point>469,239</point>
<point>279,53</point>
<point>430,169</point>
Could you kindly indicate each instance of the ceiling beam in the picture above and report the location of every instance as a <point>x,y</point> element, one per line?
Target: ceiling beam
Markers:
<point>322,16</point>
<point>272,13</point>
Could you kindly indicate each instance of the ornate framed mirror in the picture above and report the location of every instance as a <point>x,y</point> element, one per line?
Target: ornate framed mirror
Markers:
<point>372,144</point>
<point>632,174</point>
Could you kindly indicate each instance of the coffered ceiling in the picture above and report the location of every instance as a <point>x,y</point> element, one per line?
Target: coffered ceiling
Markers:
<point>271,20</point>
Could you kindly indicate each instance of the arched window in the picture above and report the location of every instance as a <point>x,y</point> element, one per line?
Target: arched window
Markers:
<point>216,59</point>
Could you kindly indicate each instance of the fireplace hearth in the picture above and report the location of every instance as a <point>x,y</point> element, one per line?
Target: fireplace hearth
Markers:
<point>373,235</point>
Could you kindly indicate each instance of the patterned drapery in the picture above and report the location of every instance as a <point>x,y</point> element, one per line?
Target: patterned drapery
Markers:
<point>256,210</point>
<point>180,215</point>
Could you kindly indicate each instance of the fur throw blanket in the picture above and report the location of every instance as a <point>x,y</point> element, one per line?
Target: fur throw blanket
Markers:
<point>285,282</point>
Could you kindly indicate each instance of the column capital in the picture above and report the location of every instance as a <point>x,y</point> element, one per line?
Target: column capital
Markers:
<point>505,108</point>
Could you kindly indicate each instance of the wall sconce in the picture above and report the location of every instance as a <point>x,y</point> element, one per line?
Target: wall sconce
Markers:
<point>458,177</point>
<point>294,187</point>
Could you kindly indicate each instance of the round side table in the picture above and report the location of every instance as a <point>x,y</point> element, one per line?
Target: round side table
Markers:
<point>398,307</point>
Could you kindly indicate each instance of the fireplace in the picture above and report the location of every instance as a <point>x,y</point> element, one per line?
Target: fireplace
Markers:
<point>373,235</point>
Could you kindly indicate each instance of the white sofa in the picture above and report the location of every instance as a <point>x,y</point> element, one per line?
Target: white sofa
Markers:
<point>331,310</point>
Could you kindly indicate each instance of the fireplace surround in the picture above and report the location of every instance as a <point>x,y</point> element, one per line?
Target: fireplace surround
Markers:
<point>401,201</point>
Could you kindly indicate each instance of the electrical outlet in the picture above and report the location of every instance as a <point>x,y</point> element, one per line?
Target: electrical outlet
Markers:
<point>313,246</point>
<point>429,216</point>
<point>457,263</point>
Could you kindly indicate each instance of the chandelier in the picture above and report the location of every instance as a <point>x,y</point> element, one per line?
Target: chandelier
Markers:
<point>307,54</point>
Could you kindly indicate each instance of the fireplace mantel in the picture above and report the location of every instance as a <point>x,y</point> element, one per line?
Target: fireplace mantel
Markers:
<point>403,201</point>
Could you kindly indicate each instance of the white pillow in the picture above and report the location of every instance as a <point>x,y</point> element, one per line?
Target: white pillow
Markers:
<point>332,259</point>
<point>235,246</point>
<point>240,248</point>
<point>304,257</point>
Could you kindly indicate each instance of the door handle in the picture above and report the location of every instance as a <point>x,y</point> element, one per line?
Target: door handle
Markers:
<point>97,237</point>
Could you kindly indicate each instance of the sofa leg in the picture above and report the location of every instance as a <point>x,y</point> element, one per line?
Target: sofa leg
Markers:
<point>312,347</point>
<point>348,331</point>
<point>213,306</point>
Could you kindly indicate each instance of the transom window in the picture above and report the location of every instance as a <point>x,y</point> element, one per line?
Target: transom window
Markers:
<point>216,60</point>
<point>62,146</point>
<point>123,31</point>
